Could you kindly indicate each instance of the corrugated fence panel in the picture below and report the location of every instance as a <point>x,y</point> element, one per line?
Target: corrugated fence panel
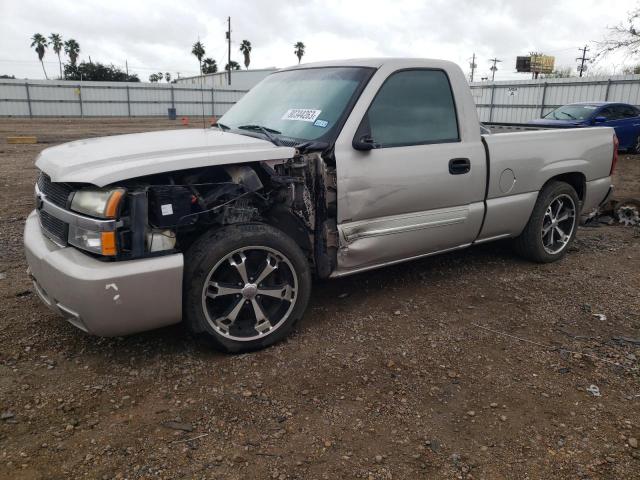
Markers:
<point>105,99</point>
<point>513,101</point>
<point>523,100</point>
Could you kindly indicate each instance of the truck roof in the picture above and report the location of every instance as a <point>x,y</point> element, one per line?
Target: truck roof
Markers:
<point>378,62</point>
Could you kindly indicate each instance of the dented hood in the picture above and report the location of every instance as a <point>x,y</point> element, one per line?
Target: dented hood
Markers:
<point>105,160</point>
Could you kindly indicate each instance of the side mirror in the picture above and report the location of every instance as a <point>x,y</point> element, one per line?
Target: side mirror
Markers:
<point>599,119</point>
<point>365,143</point>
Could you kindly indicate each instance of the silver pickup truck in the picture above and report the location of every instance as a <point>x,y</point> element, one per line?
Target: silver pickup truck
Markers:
<point>323,170</point>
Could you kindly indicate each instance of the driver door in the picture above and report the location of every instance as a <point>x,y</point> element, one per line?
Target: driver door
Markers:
<point>421,190</point>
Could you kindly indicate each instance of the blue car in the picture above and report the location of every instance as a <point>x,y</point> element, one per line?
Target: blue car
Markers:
<point>624,118</point>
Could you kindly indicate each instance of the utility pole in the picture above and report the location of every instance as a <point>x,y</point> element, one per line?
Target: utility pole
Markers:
<point>126,67</point>
<point>229,49</point>
<point>473,66</point>
<point>582,59</point>
<point>494,68</point>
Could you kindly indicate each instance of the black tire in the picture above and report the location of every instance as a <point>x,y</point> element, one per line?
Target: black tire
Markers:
<point>635,148</point>
<point>531,242</point>
<point>210,254</point>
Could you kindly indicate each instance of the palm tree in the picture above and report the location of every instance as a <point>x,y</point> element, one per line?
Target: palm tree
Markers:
<point>72,49</point>
<point>40,43</point>
<point>198,51</point>
<point>299,50</point>
<point>55,40</point>
<point>245,48</point>
<point>167,77</point>
<point>209,65</point>
<point>233,64</point>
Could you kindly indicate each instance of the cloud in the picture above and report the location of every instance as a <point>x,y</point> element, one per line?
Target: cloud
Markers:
<point>157,35</point>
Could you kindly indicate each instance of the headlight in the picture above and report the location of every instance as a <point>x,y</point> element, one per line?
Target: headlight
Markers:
<point>101,203</point>
<point>102,243</point>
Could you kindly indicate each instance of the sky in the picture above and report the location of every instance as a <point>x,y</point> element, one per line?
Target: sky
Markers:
<point>157,35</point>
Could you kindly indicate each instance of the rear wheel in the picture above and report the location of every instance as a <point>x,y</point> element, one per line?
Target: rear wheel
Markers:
<point>245,287</point>
<point>635,148</point>
<point>552,225</point>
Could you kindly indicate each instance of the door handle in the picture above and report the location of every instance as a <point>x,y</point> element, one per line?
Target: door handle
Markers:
<point>459,166</point>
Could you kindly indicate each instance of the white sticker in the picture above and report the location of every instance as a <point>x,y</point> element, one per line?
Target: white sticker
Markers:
<point>166,209</point>
<point>301,114</point>
<point>321,123</point>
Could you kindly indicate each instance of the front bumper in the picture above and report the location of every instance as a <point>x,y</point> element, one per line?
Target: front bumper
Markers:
<point>104,298</point>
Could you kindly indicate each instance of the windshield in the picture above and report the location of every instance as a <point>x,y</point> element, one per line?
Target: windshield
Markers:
<point>572,112</point>
<point>303,104</point>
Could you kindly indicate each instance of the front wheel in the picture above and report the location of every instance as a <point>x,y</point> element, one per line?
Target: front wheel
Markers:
<point>552,225</point>
<point>245,286</point>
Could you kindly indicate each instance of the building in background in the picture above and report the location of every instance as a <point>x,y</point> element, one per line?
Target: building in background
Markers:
<point>240,79</point>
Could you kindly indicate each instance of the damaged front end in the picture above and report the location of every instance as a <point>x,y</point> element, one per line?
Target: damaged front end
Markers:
<point>165,213</point>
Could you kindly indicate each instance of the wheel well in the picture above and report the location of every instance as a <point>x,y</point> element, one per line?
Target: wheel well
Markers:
<point>576,179</point>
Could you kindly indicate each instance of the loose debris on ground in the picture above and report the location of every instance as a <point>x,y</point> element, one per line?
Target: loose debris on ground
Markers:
<point>474,364</point>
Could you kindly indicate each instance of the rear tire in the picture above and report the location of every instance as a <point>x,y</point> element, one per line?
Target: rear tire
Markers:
<point>245,287</point>
<point>635,148</point>
<point>552,226</point>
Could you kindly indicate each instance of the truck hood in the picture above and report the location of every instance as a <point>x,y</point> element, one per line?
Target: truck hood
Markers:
<point>104,160</point>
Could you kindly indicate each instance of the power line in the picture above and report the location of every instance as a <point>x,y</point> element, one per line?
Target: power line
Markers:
<point>582,59</point>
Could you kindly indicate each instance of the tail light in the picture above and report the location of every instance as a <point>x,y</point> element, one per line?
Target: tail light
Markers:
<point>614,160</point>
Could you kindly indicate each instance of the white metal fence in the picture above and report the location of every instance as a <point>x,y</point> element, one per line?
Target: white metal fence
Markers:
<point>507,101</point>
<point>523,100</point>
<point>41,98</point>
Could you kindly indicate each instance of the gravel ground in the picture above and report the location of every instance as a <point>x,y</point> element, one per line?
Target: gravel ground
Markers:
<point>475,364</point>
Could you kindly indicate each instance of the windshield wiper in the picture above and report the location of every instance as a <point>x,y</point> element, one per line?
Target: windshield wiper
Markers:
<point>266,131</point>
<point>569,115</point>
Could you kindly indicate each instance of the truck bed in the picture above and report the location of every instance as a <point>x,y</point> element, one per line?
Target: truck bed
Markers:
<point>521,162</point>
<point>499,127</point>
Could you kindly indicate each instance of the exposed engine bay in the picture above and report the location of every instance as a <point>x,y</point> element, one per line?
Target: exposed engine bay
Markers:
<point>165,213</point>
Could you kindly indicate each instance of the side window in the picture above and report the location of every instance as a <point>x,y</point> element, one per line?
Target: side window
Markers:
<point>619,112</point>
<point>607,113</point>
<point>629,111</point>
<point>414,107</point>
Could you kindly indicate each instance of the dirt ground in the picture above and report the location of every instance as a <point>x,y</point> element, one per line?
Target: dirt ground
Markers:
<point>474,364</point>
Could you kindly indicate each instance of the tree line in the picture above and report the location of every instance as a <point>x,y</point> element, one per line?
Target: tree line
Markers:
<point>91,71</point>
<point>209,65</point>
<point>72,70</point>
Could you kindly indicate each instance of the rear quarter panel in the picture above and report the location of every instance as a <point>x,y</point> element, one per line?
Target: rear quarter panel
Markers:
<point>532,158</point>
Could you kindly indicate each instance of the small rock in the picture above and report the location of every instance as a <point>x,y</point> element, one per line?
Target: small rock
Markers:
<point>503,418</point>
<point>247,393</point>
<point>378,458</point>
<point>493,405</point>
<point>471,413</point>
<point>343,295</point>
<point>633,442</point>
<point>397,312</point>
<point>185,427</point>
<point>7,415</point>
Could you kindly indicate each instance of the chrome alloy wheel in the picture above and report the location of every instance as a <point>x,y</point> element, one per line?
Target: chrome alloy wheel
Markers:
<point>250,293</point>
<point>558,223</point>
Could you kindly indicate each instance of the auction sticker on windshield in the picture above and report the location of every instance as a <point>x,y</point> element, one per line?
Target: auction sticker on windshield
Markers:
<point>301,114</point>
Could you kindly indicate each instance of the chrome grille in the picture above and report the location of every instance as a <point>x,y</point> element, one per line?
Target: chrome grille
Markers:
<point>53,228</point>
<point>56,193</point>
